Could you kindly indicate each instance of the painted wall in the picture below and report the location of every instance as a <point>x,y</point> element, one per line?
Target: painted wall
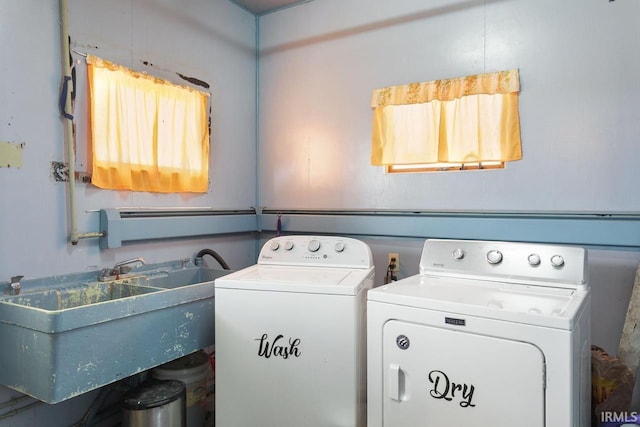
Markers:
<point>321,60</point>
<point>213,41</point>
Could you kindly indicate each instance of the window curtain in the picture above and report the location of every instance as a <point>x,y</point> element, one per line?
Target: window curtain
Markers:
<point>147,134</point>
<point>463,120</point>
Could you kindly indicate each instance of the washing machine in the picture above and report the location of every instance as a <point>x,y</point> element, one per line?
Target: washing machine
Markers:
<point>290,335</point>
<point>489,334</point>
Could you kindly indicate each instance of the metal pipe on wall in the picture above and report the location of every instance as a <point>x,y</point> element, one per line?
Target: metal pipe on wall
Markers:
<point>611,230</point>
<point>12,413</point>
<point>75,236</point>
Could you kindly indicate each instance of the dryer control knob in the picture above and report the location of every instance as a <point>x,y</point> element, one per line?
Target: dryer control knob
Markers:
<point>557,261</point>
<point>339,247</point>
<point>313,246</point>
<point>274,245</point>
<point>458,254</point>
<point>288,245</point>
<point>534,259</point>
<point>494,256</point>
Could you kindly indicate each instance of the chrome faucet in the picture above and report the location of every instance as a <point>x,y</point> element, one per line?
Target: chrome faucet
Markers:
<point>13,288</point>
<point>122,267</point>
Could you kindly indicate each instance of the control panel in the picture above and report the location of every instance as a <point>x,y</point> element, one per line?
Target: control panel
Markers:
<point>506,261</point>
<point>327,251</point>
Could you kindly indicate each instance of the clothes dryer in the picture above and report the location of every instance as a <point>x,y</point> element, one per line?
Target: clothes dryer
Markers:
<point>290,335</point>
<point>490,334</point>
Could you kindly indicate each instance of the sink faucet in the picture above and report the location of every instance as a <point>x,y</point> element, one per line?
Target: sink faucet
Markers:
<point>13,288</point>
<point>122,267</point>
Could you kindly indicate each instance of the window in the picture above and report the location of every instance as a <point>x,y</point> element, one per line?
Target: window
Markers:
<point>465,123</point>
<point>147,134</point>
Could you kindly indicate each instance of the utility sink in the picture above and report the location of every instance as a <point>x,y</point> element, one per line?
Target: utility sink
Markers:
<point>80,295</point>
<point>63,336</point>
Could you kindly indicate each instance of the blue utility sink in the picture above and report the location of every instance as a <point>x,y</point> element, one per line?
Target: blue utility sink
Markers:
<point>63,336</point>
<point>80,294</point>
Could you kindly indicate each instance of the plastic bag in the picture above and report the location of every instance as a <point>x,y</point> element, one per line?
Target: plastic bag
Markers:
<point>612,388</point>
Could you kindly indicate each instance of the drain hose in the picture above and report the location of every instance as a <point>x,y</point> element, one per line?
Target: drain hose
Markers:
<point>214,254</point>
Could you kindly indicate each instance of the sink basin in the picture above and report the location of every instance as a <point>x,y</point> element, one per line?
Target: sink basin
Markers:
<point>79,295</point>
<point>66,335</point>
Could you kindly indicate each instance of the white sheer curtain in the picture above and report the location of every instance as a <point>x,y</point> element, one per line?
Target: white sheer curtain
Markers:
<point>147,134</point>
<point>469,119</point>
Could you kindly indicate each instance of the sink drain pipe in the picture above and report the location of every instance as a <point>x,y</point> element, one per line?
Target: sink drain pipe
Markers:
<point>14,402</point>
<point>67,118</point>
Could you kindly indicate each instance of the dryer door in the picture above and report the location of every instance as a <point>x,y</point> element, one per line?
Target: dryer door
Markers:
<point>438,377</point>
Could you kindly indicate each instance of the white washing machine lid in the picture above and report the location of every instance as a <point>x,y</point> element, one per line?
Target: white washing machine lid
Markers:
<point>533,305</point>
<point>278,278</point>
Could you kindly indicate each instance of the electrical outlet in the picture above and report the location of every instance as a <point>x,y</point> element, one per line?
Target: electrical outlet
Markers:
<point>395,260</point>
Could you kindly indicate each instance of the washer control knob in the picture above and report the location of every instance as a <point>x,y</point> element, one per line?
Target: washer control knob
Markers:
<point>339,247</point>
<point>557,261</point>
<point>458,254</point>
<point>288,245</point>
<point>534,259</point>
<point>274,245</point>
<point>494,256</point>
<point>313,246</point>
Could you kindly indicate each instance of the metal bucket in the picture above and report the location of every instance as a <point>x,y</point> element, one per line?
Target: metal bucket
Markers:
<point>156,403</point>
<point>192,370</point>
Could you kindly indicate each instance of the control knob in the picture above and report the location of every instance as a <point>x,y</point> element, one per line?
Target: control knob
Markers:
<point>534,259</point>
<point>494,256</point>
<point>313,245</point>
<point>274,245</point>
<point>557,261</point>
<point>458,254</point>
<point>288,245</point>
<point>339,247</point>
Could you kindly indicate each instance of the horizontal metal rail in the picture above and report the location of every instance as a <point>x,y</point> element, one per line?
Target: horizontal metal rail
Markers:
<point>127,225</point>
<point>589,229</point>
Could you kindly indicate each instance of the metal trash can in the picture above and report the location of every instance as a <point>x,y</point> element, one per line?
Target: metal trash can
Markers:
<point>156,403</point>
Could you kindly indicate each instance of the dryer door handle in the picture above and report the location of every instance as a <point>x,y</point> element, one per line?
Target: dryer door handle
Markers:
<point>396,382</point>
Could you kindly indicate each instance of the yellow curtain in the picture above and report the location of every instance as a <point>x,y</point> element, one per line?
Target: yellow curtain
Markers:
<point>463,120</point>
<point>147,134</point>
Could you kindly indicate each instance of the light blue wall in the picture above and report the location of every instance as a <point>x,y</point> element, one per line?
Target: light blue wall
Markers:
<point>578,60</point>
<point>318,64</point>
<point>212,40</point>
